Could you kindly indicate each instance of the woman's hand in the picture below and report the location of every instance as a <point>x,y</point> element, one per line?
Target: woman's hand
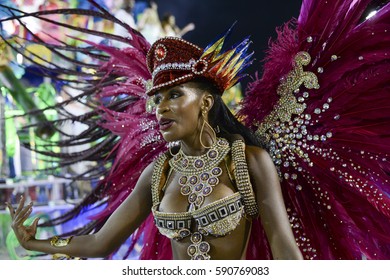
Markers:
<point>23,233</point>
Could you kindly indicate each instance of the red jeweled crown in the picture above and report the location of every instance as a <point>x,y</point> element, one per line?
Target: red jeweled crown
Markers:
<point>173,61</point>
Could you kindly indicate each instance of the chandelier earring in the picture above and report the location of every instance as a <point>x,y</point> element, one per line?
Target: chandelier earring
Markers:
<point>202,130</point>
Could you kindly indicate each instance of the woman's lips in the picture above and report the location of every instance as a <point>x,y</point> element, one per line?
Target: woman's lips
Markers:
<point>165,124</point>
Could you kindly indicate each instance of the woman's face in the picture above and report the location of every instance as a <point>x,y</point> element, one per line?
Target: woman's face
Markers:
<point>178,110</point>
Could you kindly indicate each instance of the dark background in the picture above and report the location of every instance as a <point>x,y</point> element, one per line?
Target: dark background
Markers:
<point>257,18</point>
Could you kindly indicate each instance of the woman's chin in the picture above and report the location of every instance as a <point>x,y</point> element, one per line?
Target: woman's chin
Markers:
<point>169,137</point>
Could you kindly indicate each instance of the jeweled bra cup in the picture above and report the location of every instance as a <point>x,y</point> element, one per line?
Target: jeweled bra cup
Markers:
<point>218,218</point>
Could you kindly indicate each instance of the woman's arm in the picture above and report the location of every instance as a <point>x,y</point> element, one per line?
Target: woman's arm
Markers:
<point>121,224</point>
<point>269,198</point>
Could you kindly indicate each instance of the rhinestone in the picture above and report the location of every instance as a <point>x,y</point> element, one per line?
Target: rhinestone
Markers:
<point>333,57</point>
<point>308,117</point>
<point>329,134</point>
<point>212,153</point>
<point>309,39</point>
<point>323,138</point>
<point>206,190</point>
<point>216,171</point>
<point>204,176</point>
<point>330,99</point>
<point>325,106</point>
<point>193,180</point>
<point>199,163</point>
<point>184,232</point>
<point>183,180</point>
<point>199,187</point>
<point>199,200</point>
<point>320,70</point>
<point>196,237</point>
<point>337,117</point>
<point>192,198</point>
<point>191,250</point>
<point>204,247</point>
<point>213,181</point>
<point>185,190</point>
<point>301,99</point>
<point>317,111</point>
<point>306,94</point>
<point>361,57</point>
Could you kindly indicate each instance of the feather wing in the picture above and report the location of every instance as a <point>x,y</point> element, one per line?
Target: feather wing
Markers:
<point>322,107</point>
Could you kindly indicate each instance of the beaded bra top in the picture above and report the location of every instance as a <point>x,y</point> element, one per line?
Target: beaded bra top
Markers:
<point>198,176</point>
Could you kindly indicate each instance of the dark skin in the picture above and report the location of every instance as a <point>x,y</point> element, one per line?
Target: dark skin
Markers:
<point>181,107</point>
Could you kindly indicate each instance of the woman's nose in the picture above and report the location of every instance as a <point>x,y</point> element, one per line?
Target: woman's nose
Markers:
<point>162,108</point>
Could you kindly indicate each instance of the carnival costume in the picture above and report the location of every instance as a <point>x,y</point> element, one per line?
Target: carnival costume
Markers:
<point>321,108</point>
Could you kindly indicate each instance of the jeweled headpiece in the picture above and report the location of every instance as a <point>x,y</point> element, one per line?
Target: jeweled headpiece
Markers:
<point>173,61</point>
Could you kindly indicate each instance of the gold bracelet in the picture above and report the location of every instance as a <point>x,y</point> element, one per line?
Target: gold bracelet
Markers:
<point>59,256</point>
<point>55,241</point>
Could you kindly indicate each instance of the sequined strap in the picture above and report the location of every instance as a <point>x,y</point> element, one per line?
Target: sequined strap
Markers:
<point>156,178</point>
<point>242,178</point>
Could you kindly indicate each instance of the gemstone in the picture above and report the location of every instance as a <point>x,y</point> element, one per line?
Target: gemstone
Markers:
<point>199,187</point>
<point>193,180</point>
<point>196,237</point>
<point>184,232</point>
<point>185,190</point>
<point>199,200</point>
<point>183,179</point>
<point>192,198</point>
<point>204,247</point>
<point>216,171</point>
<point>207,190</point>
<point>213,181</point>
<point>204,176</point>
<point>184,162</point>
<point>160,52</point>
<point>199,163</point>
<point>212,154</point>
<point>191,250</point>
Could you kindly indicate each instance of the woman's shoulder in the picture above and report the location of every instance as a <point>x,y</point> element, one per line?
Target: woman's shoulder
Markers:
<point>257,156</point>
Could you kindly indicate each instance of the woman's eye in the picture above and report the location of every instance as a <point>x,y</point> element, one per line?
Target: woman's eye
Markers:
<point>157,100</point>
<point>175,95</point>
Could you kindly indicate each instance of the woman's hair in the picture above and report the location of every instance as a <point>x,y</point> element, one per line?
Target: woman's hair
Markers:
<point>220,116</point>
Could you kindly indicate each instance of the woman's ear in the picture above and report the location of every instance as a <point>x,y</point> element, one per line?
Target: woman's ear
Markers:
<point>208,102</point>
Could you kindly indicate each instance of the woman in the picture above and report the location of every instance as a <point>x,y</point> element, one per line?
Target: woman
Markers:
<point>205,192</point>
<point>320,107</point>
